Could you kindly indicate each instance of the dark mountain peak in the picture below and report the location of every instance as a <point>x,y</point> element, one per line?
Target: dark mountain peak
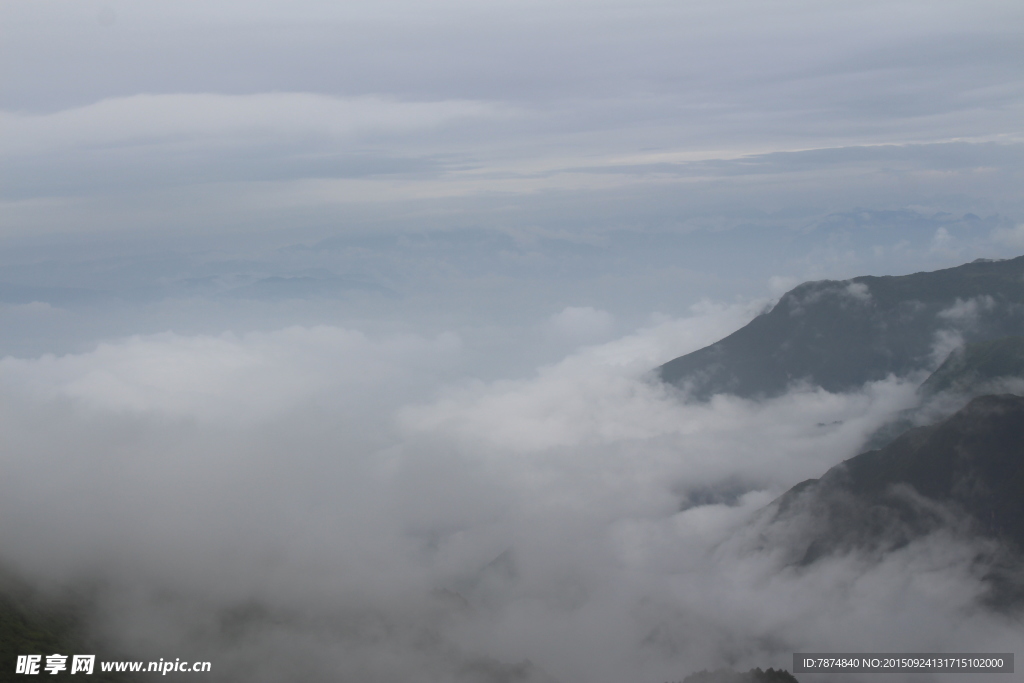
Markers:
<point>841,334</point>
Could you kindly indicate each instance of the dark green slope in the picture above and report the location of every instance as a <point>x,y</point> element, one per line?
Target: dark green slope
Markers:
<point>33,625</point>
<point>964,475</point>
<point>995,366</point>
<point>973,366</point>
<point>838,335</point>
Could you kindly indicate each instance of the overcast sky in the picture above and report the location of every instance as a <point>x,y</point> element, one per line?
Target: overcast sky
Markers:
<point>195,117</point>
<point>489,161</point>
<point>376,285</point>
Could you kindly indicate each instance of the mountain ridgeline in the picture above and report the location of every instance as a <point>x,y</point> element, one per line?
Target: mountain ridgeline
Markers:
<point>950,468</point>
<point>962,477</point>
<point>978,368</point>
<point>995,366</point>
<point>840,334</point>
<point>971,462</point>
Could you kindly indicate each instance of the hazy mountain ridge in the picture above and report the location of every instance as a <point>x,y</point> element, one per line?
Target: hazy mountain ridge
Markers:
<point>963,477</point>
<point>995,366</point>
<point>952,467</point>
<point>971,368</point>
<point>841,334</point>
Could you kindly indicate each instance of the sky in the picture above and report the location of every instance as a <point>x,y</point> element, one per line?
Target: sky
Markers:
<point>334,321</point>
<point>479,163</point>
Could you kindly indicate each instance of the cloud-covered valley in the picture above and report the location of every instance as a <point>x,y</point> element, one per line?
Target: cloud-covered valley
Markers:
<point>351,506</point>
<point>330,333</point>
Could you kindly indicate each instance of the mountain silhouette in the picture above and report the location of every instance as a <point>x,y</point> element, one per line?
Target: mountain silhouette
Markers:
<point>972,368</point>
<point>964,475</point>
<point>995,366</point>
<point>841,334</point>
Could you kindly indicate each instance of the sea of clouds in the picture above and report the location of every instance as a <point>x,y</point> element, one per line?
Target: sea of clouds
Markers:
<point>320,503</point>
<point>430,446</point>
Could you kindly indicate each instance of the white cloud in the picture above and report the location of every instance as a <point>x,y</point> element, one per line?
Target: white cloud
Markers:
<point>33,308</point>
<point>227,376</point>
<point>859,291</point>
<point>388,531</point>
<point>581,324</point>
<point>966,312</point>
<point>221,120</point>
<point>1010,237</point>
<point>779,284</point>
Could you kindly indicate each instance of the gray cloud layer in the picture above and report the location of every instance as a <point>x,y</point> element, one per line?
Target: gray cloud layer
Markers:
<point>306,500</point>
<point>126,117</point>
<point>325,326</point>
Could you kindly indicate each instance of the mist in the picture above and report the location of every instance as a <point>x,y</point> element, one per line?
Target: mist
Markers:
<point>328,330</point>
<point>325,503</point>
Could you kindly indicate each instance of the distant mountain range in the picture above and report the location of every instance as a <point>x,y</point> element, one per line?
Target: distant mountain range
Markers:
<point>840,334</point>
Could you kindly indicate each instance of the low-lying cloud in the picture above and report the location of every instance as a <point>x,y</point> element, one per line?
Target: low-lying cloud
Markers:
<point>241,377</point>
<point>322,503</point>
